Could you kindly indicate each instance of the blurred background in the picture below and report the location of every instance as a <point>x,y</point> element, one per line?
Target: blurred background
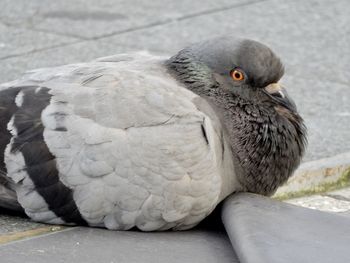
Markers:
<point>311,37</point>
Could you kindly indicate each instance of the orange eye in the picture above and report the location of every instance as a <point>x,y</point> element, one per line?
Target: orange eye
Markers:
<point>237,75</point>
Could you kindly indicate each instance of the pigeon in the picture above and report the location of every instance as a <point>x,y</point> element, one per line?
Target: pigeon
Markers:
<point>144,141</point>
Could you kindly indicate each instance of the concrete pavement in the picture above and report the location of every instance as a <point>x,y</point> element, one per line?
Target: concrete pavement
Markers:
<point>99,245</point>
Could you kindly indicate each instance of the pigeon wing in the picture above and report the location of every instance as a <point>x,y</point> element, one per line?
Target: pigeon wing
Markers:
<point>115,143</point>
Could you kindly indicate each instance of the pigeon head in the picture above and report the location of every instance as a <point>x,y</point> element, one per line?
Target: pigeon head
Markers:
<point>239,78</point>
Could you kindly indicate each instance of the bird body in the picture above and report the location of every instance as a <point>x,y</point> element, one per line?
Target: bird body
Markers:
<point>125,141</point>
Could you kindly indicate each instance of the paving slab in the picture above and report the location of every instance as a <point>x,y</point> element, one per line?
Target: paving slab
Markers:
<point>88,19</point>
<point>337,201</point>
<point>15,41</point>
<point>98,245</point>
<point>13,68</point>
<point>341,194</point>
<point>323,203</point>
<point>264,230</point>
<point>10,224</point>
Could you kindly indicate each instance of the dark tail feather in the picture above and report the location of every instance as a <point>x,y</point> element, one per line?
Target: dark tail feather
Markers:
<point>8,196</point>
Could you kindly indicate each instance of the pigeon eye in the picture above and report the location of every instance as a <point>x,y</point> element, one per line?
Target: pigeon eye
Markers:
<point>237,75</point>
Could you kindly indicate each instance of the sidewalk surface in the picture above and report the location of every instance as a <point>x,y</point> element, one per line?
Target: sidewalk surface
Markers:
<point>312,38</point>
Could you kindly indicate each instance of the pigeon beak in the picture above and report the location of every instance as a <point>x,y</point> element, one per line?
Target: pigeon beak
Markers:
<point>275,89</point>
<point>277,92</point>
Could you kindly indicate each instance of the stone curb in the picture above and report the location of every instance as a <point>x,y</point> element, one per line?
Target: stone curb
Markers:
<point>317,176</point>
<point>263,230</point>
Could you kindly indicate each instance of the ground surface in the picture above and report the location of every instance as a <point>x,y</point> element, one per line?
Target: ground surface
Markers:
<point>311,37</point>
